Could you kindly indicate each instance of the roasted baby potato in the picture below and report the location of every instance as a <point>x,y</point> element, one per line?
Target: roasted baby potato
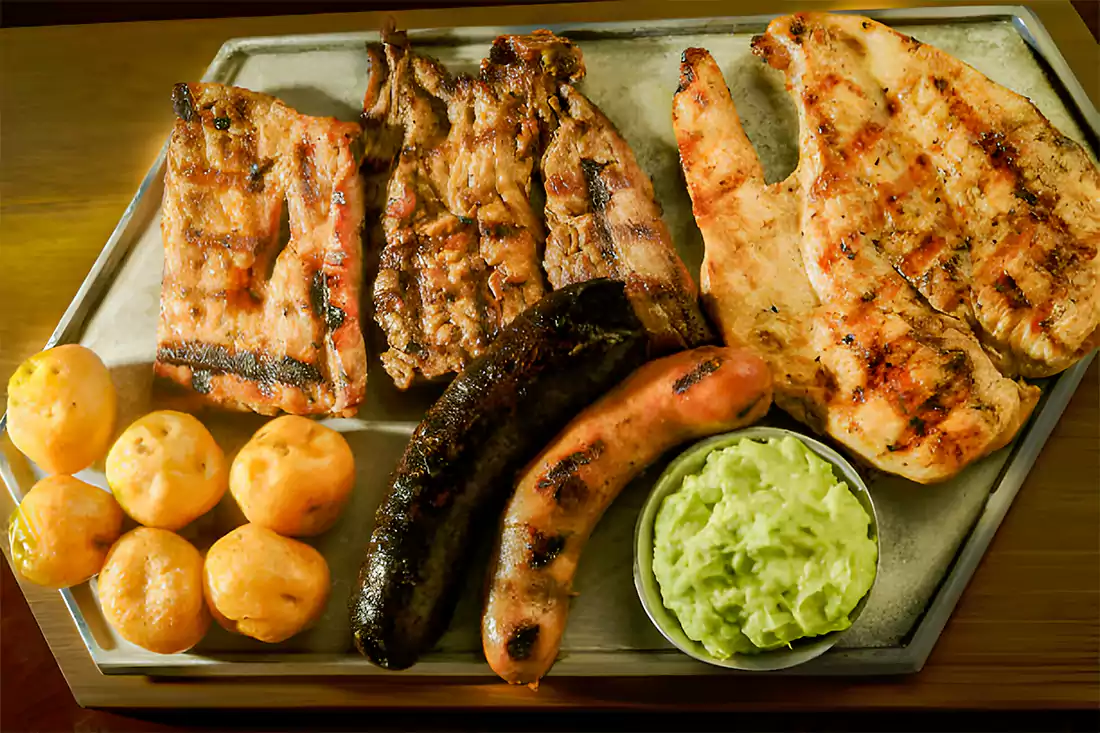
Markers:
<point>166,470</point>
<point>150,590</point>
<point>293,476</point>
<point>62,530</point>
<point>265,586</point>
<point>61,408</point>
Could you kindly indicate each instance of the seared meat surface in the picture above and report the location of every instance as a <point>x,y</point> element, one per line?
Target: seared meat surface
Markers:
<point>465,250</point>
<point>243,324</point>
<point>960,185</point>
<point>604,221</point>
<point>909,268</point>
<point>461,257</point>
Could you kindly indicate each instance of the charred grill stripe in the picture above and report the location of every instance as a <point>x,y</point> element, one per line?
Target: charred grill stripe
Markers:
<point>521,641</point>
<point>228,240</point>
<point>542,549</point>
<point>320,295</point>
<point>259,368</point>
<point>696,375</point>
<point>1006,285</point>
<point>599,196</point>
<point>562,482</point>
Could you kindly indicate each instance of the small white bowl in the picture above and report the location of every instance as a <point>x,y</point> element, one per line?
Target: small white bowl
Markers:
<point>690,461</point>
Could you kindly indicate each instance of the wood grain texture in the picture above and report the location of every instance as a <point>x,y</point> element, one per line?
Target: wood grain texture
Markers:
<point>85,111</point>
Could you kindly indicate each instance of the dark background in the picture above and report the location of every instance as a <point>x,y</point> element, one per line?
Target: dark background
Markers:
<point>15,13</point>
<point>35,697</point>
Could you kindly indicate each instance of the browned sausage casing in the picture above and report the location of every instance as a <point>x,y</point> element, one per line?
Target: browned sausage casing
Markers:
<point>563,493</point>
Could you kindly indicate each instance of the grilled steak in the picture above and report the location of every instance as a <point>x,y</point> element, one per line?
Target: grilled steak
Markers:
<point>872,278</point>
<point>604,221</point>
<point>461,257</point>
<point>243,324</point>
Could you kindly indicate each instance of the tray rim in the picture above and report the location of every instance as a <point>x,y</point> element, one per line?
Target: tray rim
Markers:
<point>907,658</point>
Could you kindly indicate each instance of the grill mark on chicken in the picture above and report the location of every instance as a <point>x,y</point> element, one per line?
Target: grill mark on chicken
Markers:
<point>244,322</point>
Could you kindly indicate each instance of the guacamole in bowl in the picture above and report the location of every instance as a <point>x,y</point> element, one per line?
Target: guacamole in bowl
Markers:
<point>756,549</point>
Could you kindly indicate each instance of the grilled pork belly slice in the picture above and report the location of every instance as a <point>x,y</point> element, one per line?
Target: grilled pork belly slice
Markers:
<point>791,270</point>
<point>242,324</point>
<point>463,242</point>
<point>604,221</point>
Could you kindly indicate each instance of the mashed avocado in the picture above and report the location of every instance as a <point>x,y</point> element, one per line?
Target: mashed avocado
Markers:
<point>761,547</point>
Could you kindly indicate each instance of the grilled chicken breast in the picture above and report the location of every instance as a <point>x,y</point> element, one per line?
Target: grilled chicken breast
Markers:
<point>604,221</point>
<point>463,242</point>
<point>243,324</point>
<point>811,272</point>
<point>967,190</point>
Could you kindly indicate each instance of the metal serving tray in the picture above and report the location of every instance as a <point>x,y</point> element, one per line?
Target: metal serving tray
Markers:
<point>933,537</point>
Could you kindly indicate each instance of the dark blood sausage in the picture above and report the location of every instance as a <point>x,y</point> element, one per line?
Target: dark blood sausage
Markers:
<point>562,494</point>
<point>551,361</point>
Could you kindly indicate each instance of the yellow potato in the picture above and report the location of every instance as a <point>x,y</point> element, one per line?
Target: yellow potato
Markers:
<point>265,586</point>
<point>166,470</point>
<point>293,476</point>
<point>61,408</point>
<point>150,590</point>
<point>62,530</point>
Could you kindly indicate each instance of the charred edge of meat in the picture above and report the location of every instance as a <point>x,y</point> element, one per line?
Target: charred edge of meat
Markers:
<point>259,368</point>
<point>542,549</point>
<point>521,641</point>
<point>696,375</point>
<point>688,59</point>
<point>561,480</point>
<point>182,103</point>
<point>319,296</point>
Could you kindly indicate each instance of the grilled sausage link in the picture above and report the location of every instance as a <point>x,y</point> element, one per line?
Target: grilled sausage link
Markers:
<point>561,496</point>
<point>457,471</point>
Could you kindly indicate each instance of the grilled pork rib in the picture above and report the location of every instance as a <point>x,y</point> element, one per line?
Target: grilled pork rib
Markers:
<point>605,222</point>
<point>461,258</point>
<point>863,276</point>
<point>242,324</point>
<point>464,248</point>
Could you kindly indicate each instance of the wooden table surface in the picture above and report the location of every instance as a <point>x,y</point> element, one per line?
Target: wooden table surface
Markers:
<point>85,111</point>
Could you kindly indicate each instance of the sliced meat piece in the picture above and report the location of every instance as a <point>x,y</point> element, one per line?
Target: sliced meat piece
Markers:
<point>604,221</point>
<point>243,324</point>
<point>463,242</point>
